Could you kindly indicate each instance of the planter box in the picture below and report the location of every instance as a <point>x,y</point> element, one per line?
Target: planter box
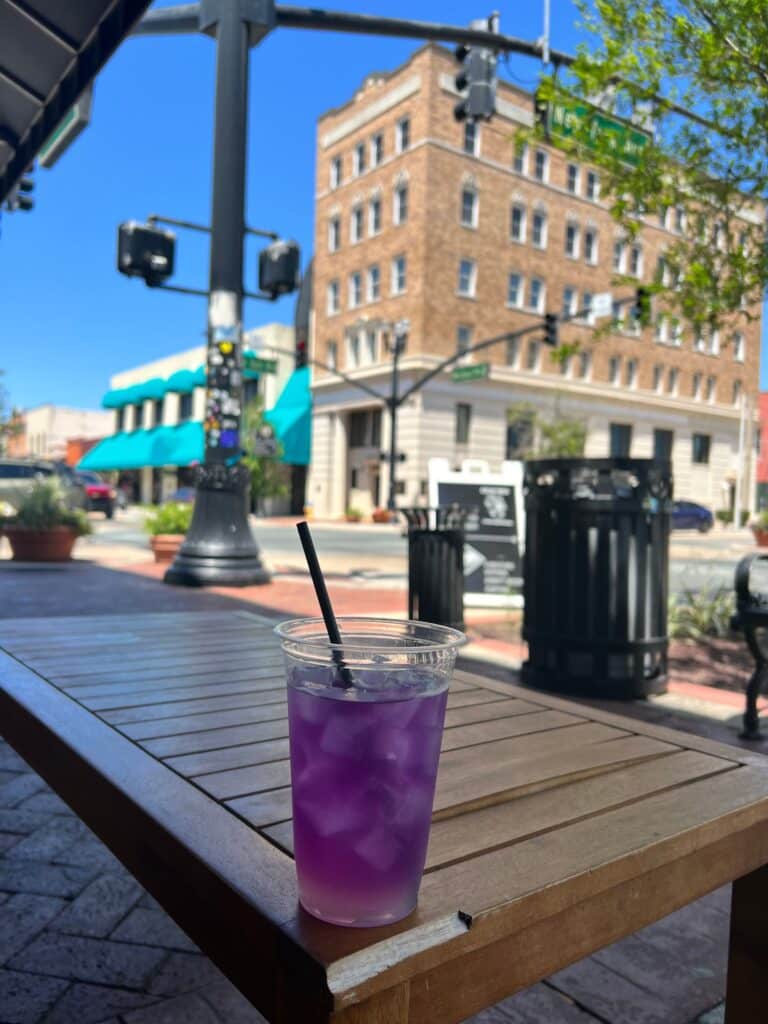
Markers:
<point>165,546</point>
<point>761,536</point>
<point>54,545</point>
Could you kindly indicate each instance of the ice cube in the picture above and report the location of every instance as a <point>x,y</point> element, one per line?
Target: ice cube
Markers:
<point>379,849</point>
<point>414,805</point>
<point>345,734</point>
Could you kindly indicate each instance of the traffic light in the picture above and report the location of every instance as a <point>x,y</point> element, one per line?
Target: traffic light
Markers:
<point>551,329</point>
<point>20,197</point>
<point>279,268</point>
<point>541,112</point>
<point>478,77</point>
<point>144,250</point>
<point>642,308</point>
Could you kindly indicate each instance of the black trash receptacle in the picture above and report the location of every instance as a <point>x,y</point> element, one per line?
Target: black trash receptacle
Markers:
<point>436,564</point>
<point>596,575</point>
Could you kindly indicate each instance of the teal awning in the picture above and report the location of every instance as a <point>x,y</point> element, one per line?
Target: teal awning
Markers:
<point>153,388</point>
<point>181,381</point>
<point>291,418</point>
<point>119,397</point>
<point>181,445</point>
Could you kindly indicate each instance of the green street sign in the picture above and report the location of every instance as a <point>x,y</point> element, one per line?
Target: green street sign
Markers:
<point>477,371</point>
<point>568,118</point>
<point>67,130</point>
<point>257,364</point>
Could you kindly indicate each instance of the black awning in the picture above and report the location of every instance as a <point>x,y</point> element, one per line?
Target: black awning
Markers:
<point>50,51</point>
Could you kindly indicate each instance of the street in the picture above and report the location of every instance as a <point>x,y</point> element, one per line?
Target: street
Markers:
<point>697,561</point>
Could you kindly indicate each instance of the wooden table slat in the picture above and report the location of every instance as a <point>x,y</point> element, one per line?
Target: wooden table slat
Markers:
<point>216,684</point>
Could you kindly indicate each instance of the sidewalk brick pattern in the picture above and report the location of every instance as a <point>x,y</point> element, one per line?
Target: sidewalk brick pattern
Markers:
<point>82,943</point>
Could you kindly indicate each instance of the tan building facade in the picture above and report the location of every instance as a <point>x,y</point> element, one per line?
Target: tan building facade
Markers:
<point>465,235</point>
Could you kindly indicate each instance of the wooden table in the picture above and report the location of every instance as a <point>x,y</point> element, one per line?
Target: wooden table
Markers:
<point>557,829</point>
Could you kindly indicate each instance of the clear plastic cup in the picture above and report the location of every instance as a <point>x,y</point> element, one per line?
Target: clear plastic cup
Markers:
<point>366,722</point>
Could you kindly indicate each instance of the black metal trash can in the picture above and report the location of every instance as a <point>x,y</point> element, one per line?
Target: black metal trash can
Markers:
<point>436,564</point>
<point>595,576</point>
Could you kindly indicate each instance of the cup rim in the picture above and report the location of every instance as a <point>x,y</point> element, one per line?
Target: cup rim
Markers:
<point>452,638</point>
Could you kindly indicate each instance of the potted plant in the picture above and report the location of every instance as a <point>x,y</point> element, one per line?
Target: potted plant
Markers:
<point>381,515</point>
<point>353,515</point>
<point>43,528</point>
<point>166,527</point>
<point>760,529</point>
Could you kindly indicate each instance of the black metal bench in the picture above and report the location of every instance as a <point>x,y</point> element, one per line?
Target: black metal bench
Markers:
<point>751,618</point>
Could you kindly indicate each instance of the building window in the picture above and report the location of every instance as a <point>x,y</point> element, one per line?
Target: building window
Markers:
<point>534,354</point>
<point>699,345</point>
<point>333,297</point>
<point>517,223</point>
<point>157,413</point>
<point>120,419</point>
<point>403,134</point>
<point>572,239</point>
<point>539,229</point>
<point>662,444</point>
<point>714,343</point>
<point>537,295</point>
<point>467,278</point>
<point>469,208</point>
<point>636,261</point>
<point>565,366</point>
<point>471,138</point>
<point>359,429</point>
<point>709,393</point>
<point>617,316</point>
<point>590,245</point>
<point>621,440</point>
<point>572,178</point>
<point>679,219</point>
<point>520,158</point>
<point>541,165</point>
<point>696,385</point>
<point>738,347</point>
<point>463,418</point>
<point>400,209</point>
<point>614,369</point>
<point>660,329</point>
<point>619,256</point>
<point>334,234</point>
<point>358,159</point>
<point>463,337</point>
<point>663,213</point>
<point>700,444</point>
<point>658,377</point>
<point>513,352</point>
<point>672,378</point>
<point>586,307</point>
<point>356,224</point>
<point>355,289</point>
<point>630,373</point>
<point>399,275</point>
<point>736,392</point>
<point>570,307</point>
<point>585,365</point>
<point>374,283</point>
<point>675,332</point>
<point>377,149</point>
<point>332,354</point>
<point>374,215</point>
<point>185,407</point>
<point>353,351</point>
<point>519,435</point>
<point>138,416</point>
<point>593,185</point>
<point>515,289</point>
<point>369,347</point>
<point>335,172</point>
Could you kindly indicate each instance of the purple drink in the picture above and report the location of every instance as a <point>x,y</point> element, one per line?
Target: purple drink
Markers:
<point>363,767</point>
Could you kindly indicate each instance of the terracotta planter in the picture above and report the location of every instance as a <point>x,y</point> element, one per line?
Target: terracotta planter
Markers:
<point>381,515</point>
<point>54,545</point>
<point>761,536</point>
<point>353,519</point>
<point>165,546</point>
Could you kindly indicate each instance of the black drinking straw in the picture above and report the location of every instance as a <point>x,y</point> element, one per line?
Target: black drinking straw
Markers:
<point>324,601</point>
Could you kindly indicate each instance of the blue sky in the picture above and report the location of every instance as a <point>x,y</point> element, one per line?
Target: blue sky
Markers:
<point>69,319</point>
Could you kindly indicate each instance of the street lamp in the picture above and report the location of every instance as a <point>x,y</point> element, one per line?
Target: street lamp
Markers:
<point>396,342</point>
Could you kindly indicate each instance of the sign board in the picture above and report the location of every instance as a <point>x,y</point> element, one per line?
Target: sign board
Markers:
<point>494,529</point>
<point>67,130</point>
<point>258,364</point>
<point>474,371</point>
<point>602,304</point>
<point>568,117</point>
<point>263,443</point>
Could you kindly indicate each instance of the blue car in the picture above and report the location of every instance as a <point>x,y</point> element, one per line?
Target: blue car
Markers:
<point>687,515</point>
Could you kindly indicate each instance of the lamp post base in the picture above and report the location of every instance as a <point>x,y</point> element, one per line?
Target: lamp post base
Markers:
<point>219,549</point>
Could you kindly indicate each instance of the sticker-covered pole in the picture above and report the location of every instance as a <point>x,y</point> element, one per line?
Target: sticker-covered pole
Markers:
<point>219,547</point>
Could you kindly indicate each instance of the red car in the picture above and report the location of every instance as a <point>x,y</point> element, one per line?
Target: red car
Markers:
<point>101,496</point>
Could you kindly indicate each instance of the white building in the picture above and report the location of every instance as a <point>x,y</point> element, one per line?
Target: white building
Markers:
<point>48,427</point>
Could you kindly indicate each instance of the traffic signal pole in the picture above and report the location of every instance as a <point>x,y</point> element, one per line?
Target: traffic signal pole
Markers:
<point>219,547</point>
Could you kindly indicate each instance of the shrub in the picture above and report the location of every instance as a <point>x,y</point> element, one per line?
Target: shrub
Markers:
<point>704,613</point>
<point>725,515</point>
<point>761,520</point>
<point>44,508</point>
<point>174,517</point>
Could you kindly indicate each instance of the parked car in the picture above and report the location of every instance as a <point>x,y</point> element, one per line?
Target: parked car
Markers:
<point>183,496</point>
<point>101,496</point>
<point>688,515</point>
<point>17,477</point>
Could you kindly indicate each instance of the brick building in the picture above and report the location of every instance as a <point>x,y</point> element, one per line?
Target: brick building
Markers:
<point>466,235</point>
